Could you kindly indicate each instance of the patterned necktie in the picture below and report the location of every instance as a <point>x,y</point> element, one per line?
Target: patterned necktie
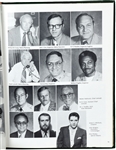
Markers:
<point>66,108</point>
<point>84,42</point>
<point>23,77</point>
<point>30,38</point>
<point>54,80</point>
<point>54,42</point>
<point>24,39</point>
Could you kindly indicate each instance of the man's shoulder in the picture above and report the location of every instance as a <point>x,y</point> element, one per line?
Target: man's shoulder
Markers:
<point>37,133</point>
<point>98,76</point>
<point>13,30</point>
<point>37,107</point>
<point>14,108</point>
<point>52,133</point>
<point>46,41</point>
<point>97,39</point>
<point>64,128</point>
<point>29,105</point>
<point>14,134</point>
<point>75,40</point>
<point>48,78</point>
<point>81,77</point>
<point>29,133</point>
<point>81,130</point>
<point>52,106</point>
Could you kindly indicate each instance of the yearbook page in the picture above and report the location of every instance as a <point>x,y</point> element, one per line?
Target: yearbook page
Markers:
<point>58,74</point>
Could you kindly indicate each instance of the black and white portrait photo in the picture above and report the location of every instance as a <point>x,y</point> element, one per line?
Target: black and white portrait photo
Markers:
<point>20,98</point>
<point>67,97</point>
<point>21,125</point>
<point>87,64</point>
<point>24,66</point>
<point>54,28</point>
<point>86,28</point>
<point>23,29</point>
<point>55,65</point>
<point>2,119</point>
<point>44,98</point>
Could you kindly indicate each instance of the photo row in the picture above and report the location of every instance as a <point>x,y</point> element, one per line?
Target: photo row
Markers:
<point>55,28</point>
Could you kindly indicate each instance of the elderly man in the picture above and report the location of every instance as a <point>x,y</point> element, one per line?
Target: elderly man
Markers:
<point>87,61</point>
<point>85,28</point>
<point>24,71</point>
<point>45,127</point>
<point>68,98</point>
<point>72,136</point>
<point>54,63</point>
<point>55,24</point>
<point>21,96</point>
<point>46,104</point>
<point>25,34</point>
<point>21,123</point>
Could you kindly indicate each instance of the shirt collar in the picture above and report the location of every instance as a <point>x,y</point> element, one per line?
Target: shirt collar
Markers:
<point>45,107</point>
<point>23,134</point>
<point>43,133</point>
<point>59,77</point>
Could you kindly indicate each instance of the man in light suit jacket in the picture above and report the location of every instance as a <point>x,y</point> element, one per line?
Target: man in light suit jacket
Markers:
<point>21,123</point>
<point>55,24</point>
<point>72,136</point>
<point>25,34</point>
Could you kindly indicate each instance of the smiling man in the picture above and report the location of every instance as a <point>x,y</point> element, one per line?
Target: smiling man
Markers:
<point>55,25</point>
<point>87,61</point>
<point>44,96</point>
<point>54,63</point>
<point>85,27</point>
<point>72,136</point>
<point>21,96</point>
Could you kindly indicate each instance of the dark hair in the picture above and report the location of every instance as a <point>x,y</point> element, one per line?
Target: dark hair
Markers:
<point>41,89</point>
<point>54,53</point>
<point>18,88</point>
<point>54,16</point>
<point>81,15</point>
<point>44,114</point>
<point>87,53</point>
<point>20,114</point>
<point>74,114</point>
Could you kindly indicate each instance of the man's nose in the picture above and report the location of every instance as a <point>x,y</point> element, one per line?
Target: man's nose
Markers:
<point>84,28</point>
<point>53,28</point>
<point>54,66</point>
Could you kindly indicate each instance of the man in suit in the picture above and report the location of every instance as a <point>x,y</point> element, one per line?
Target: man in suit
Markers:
<point>85,28</point>
<point>54,63</point>
<point>87,61</point>
<point>55,24</point>
<point>25,34</point>
<point>46,104</point>
<point>21,123</point>
<point>72,136</point>
<point>45,127</point>
<point>21,96</point>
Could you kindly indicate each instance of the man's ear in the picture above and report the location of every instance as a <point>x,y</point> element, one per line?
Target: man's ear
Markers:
<point>26,96</point>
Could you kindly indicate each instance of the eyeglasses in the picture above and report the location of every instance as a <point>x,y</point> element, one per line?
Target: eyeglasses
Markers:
<point>23,123</point>
<point>51,64</point>
<point>69,95</point>
<point>51,26</point>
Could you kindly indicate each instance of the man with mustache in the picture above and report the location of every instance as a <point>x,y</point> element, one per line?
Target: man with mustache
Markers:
<point>45,127</point>
<point>87,61</point>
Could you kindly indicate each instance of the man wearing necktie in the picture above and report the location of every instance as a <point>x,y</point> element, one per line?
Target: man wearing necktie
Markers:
<point>45,127</point>
<point>85,27</point>
<point>21,123</point>
<point>21,96</point>
<point>25,34</point>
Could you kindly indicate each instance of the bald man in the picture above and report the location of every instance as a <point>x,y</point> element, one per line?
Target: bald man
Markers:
<point>25,34</point>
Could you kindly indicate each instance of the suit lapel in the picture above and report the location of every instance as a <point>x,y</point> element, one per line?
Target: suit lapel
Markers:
<point>68,137</point>
<point>77,135</point>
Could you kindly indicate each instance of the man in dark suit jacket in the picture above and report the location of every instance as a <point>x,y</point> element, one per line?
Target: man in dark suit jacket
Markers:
<point>45,127</point>
<point>72,136</point>
<point>21,123</point>
<point>46,104</point>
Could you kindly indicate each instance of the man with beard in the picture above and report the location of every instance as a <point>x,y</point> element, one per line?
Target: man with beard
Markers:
<point>87,61</point>
<point>72,136</point>
<point>45,127</point>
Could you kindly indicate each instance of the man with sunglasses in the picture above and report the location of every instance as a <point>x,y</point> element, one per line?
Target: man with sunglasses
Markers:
<point>21,123</point>
<point>54,63</point>
<point>68,98</point>
<point>55,25</point>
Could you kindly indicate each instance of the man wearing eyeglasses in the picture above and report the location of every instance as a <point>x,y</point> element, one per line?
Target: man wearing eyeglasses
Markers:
<point>54,63</point>
<point>55,25</point>
<point>85,27</point>
<point>21,123</point>
<point>68,98</point>
<point>21,96</point>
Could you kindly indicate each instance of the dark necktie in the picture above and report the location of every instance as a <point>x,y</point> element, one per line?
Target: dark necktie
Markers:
<point>24,39</point>
<point>45,135</point>
<point>54,80</point>
<point>23,77</point>
<point>21,109</point>
<point>66,108</point>
<point>84,42</point>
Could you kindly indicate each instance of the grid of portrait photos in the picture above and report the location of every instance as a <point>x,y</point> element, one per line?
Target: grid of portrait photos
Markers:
<point>53,58</point>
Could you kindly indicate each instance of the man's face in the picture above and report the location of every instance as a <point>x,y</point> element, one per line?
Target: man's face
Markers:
<point>55,65</point>
<point>44,123</point>
<point>88,66</point>
<point>44,97</point>
<point>21,96</point>
<point>67,96</point>
<point>26,23</point>
<point>73,122</point>
<point>21,124</point>
<point>85,27</point>
<point>52,29</point>
<point>25,60</point>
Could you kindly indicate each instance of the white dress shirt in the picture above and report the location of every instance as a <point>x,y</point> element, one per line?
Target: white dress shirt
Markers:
<point>44,108</point>
<point>72,133</point>
<point>22,135</point>
<point>43,134</point>
<point>73,106</point>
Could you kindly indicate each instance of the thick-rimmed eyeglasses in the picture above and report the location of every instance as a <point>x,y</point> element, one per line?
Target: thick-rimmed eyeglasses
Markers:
<point>69,95</point>
<point>21,123</point>
<point>57,26</point>
<point>51,64</point>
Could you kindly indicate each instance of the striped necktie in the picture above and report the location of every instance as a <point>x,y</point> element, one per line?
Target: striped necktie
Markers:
<point>24,39</point>
<point>23,76</point>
